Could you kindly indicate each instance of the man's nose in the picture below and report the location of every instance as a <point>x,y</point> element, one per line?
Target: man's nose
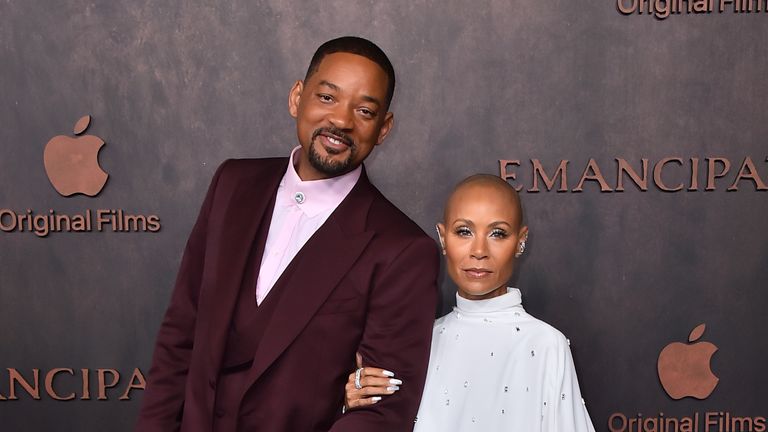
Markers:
<point>342,117</point>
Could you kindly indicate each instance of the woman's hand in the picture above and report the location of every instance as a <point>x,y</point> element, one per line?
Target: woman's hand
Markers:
<point>373,382</point>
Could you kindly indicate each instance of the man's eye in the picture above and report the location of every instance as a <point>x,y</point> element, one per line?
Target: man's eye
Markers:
<point>499,233</point>
<point>368,113</point>
<point>325,97</point>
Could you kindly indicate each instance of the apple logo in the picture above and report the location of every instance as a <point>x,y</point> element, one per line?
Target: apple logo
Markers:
<point>684,369</point>
<point>72,164</point>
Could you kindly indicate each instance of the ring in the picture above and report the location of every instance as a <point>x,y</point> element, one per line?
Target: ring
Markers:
<point>358,372</point>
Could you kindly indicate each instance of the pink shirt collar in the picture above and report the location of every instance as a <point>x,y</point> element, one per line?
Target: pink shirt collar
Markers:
<point>315,196</point>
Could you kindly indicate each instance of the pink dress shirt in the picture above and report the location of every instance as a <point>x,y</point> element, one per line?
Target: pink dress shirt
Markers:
<point>301,208</point>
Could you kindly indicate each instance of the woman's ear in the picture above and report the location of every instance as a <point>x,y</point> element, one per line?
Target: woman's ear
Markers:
<point>522,241</point>
<point>440,228</point>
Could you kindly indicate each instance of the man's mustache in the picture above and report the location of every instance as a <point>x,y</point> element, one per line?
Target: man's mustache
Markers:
<point>336,132</point>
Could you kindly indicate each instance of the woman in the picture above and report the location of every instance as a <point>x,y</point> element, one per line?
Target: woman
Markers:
<point>492,367</point>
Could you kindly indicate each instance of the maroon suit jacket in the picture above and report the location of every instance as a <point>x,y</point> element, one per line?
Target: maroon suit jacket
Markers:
<point>366,281</point>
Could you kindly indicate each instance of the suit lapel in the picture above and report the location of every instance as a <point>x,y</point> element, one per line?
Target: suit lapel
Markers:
<point>314,273</point>
<point>247,208</point>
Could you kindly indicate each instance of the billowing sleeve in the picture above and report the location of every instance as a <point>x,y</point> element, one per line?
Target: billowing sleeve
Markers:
<point>570,412</point>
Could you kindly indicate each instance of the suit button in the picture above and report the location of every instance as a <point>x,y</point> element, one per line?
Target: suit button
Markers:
<point>220,413</point>
<point>212,383</point>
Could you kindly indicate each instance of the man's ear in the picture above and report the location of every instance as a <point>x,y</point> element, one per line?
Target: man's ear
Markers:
<point>294,97</point>
<point>389,122</point>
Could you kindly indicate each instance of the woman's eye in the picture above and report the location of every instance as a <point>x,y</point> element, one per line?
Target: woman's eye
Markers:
<point>499,233</point>
<point>463,232</point>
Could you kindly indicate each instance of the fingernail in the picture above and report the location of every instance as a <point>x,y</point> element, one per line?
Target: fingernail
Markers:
<point>375,399</point>
<point>395,381</point>
<point>388,373</point>
<point>393,388</point>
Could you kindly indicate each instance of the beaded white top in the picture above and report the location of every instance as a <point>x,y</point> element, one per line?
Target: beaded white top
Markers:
<point>494,367</point>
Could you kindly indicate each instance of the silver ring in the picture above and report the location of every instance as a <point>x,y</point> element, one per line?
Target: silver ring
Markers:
<point>358,372</point>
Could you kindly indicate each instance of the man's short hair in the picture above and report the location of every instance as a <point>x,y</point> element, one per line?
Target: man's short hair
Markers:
<point>358,46</point>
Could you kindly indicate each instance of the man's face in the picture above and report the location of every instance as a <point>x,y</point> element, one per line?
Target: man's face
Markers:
<point>340,115</point>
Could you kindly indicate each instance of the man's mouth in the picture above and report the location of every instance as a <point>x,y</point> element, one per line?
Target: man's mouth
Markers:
<point>333,142</point>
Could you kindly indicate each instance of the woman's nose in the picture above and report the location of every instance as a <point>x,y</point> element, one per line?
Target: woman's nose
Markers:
<point>479,248</point>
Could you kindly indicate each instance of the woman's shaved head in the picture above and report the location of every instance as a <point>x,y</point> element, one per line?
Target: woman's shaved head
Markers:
<point>485,183</point>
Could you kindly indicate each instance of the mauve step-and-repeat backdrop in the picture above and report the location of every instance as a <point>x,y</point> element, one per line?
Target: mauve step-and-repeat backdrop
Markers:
<point>639,141</point>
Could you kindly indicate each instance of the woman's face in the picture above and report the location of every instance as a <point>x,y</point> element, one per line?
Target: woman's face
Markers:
<point>481,231</point>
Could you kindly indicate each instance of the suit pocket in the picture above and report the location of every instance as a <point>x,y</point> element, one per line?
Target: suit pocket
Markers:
<point>337,306</point>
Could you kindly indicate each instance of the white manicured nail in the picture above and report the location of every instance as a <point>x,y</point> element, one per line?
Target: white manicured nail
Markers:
<point>393,388</point>
<point>388,373</point>
<point>375,399</point>
<point>395,381</point>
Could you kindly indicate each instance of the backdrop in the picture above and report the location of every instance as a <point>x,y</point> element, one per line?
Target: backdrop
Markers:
<point>175,87</point>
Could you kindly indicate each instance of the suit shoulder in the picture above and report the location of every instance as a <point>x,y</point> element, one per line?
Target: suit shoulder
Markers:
<point>387,218</point>
<point>248,167</point>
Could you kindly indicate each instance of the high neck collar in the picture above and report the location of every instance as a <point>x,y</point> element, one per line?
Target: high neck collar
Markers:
<point>502,303</point>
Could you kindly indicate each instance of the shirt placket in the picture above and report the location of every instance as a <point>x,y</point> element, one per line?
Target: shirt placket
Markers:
<point>271,265</point>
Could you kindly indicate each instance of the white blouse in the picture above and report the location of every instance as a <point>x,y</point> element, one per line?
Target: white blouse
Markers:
<point>494,367</point>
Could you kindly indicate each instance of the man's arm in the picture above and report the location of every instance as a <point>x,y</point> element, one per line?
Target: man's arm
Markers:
<point>397,337</point>
<point>163,400</point>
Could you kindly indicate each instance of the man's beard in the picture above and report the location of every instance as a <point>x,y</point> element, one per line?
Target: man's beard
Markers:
<point>327,165</point>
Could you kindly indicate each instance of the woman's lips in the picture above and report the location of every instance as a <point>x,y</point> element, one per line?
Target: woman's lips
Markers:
<point>477,273</point>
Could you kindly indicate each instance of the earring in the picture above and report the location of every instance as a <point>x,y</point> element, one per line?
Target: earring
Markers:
<point>521,247</point>
<point>440,238</point>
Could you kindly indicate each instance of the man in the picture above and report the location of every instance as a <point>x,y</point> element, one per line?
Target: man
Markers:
<point>292,267</point>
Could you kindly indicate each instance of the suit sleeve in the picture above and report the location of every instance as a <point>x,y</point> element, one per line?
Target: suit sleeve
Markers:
<point>163,399</point>
<point>397,337</point>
